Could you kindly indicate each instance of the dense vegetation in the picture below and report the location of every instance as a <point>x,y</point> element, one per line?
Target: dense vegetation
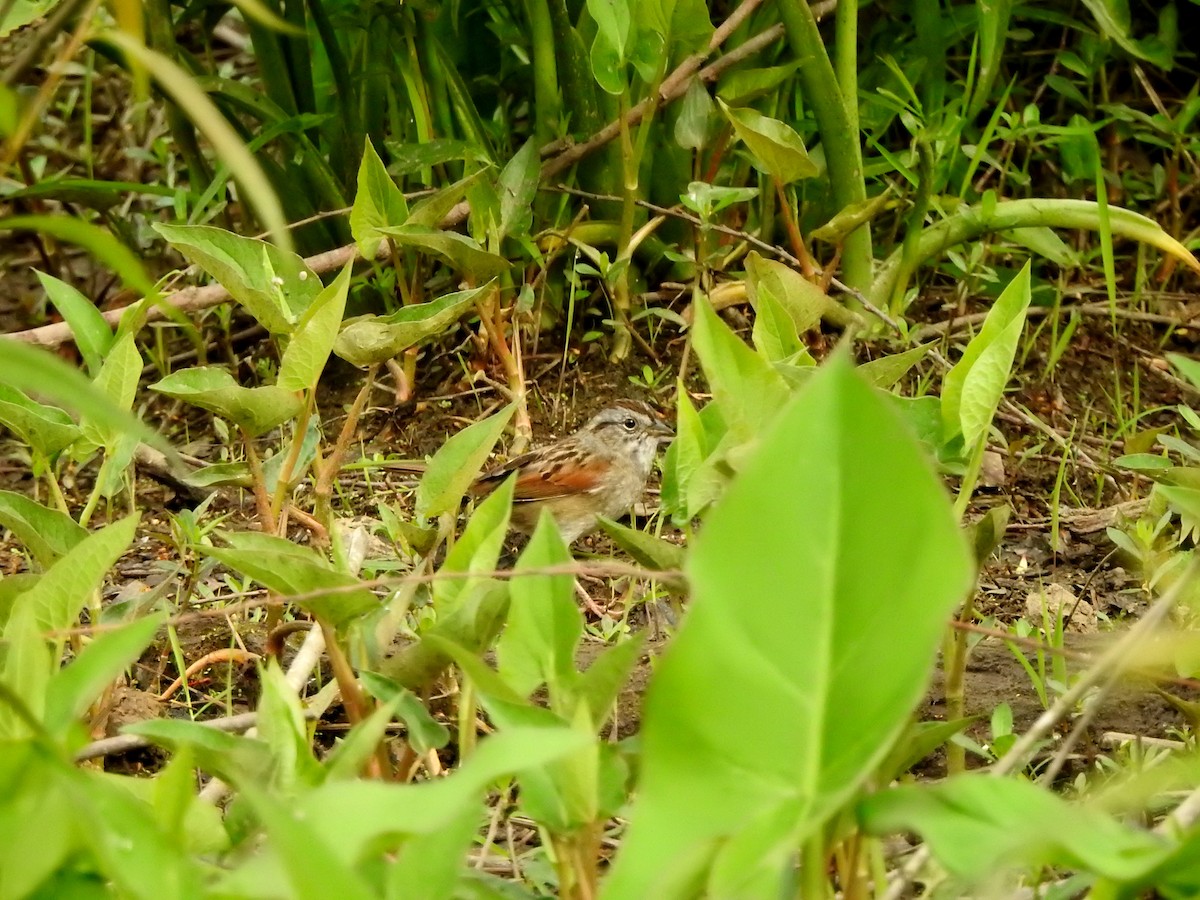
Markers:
<point>866,253</point>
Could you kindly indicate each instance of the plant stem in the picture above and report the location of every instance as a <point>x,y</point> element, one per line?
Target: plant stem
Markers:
<point>328,468</point>
<point>269,524</point>
<point>842,148</point>
<point>283,487</point>
<point>94,496</point>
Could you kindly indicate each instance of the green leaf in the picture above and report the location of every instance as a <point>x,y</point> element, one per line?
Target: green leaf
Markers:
<point>48,533</point>
<point>696,117</point>
<point>314,868</point>
<point>972,390</point>
<point>749,391</point>
<point>806,303</point>
<point>646,549</point>
<point>425,733</point>
<point>374,339</point>
<point>410,158</point>
<point>478,548</point>
<point>758,725</point>
<point>517,186</point>
<point>46,429</point>
<point>32,369</point>
<point>544,624</point>
<point>430,865</point>
<point>234,758</point>
<point>118,379</point>
<point>76,687</point>
<point>310,344</point>
<point>1045,243</point>
<point>457,463</point>
<point>887,370</point>
<point>63,590</point>
<point>27,666</point>
<point>430,211</point>
<point>92,335</point>
<point>282,728</point>
<point>977,825</point>
<point>776,147</point>
<point>275,286</point>
<point>613,32</point>
<point>459,251</point>
<point>377,204</point>
<point>296,572</point>
<point>255,410</point>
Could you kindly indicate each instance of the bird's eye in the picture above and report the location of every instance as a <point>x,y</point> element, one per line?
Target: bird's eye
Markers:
<point>630,423</point>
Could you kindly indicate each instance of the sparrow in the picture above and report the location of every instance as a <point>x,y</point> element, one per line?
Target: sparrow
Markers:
<point>599,470</point>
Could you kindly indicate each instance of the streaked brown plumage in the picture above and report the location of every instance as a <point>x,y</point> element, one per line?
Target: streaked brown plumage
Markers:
<point>599,470</point>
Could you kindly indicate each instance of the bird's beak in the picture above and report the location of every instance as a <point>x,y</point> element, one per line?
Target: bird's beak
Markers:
<point>662,431</point>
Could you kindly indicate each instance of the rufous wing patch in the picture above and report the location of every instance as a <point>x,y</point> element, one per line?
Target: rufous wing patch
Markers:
<point>548,482</point>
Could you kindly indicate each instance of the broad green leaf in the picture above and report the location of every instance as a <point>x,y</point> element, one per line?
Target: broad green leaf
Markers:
<point>774,333</point>
<point>65,587</point>
<point>92,335</point>
<point>410,158</point>
<point>1045,243</point>
<point>1115,21</point>
<point>697,113</point>
<point>295,572</point>
<point>77,686</point>
<point>806,303</point>
<point>468,620</point>
<point>373,339</point>
<point>706,200</point>
<point>1188,367</point>
<point>255,410</point>
<point>749,391</point>
<point>613,32</point>
<point>602,682</point>
<point>27,666</point>
<point>776,147</point>
<point>463,254</point>
<point>353,814</point>
<point>646,549</point>
<point>32,369</point>
<point>118,379</point>
<point>429,212</point>
<point>457,463</point>
<point>977,825</point>
<point>478,548</point>
<point>758,724</point>
<point>310,344</point>
<point>972,390</point>
<point>313,866</point>
<point>430,865</point>
<point>887,370</point>
<point>31,858</point>
<point>425,733</point>
<point>48,533</point>
<point>234,758</point>
<point>517,186</point>
<point>544,624</point>
<point>275,286</point>
<point>377,204</point>
<point>282,728</point>
<point>46,429</point>
<point>741,86</point>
